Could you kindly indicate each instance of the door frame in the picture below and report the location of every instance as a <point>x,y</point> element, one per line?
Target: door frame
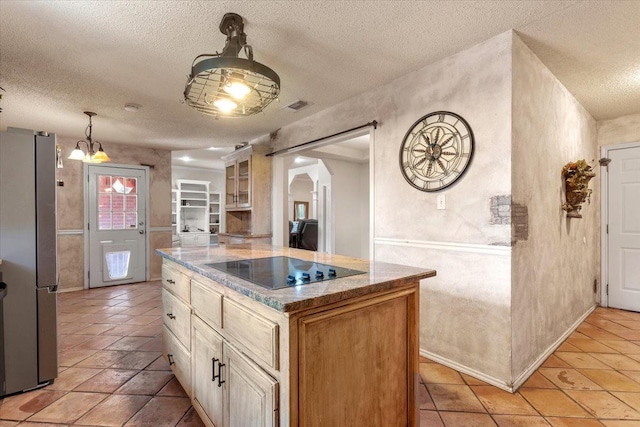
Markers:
<point>604,220</point>
<point>280,216</point>
<point>85,226</point>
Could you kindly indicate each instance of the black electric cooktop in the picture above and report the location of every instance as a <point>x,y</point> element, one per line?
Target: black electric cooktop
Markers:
<point>282,272</point>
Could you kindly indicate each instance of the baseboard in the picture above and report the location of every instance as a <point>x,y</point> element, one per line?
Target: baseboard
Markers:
<point>467,370</point>
<point>524,375</point>
<point>76,288</point>
<point>540,360</point>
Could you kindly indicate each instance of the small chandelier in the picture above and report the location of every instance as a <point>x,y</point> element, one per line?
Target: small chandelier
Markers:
<point>91,156</point>
<point>224,85</point>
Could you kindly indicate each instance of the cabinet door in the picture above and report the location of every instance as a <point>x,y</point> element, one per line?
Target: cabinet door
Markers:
<point>243,198</point>
<point>206,350</point>
<point>202,240</point>
<point>252,397</point>
<point>230,186</point>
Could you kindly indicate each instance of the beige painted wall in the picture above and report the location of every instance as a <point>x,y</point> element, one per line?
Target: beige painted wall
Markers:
<point>620,130</point>
<point>554,268</point>
<point>71,207</point>
<point>465,310</point>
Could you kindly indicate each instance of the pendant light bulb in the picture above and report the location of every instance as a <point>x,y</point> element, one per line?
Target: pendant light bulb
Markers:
<point>225,105</point>
<point>76,154</point>
<point>237,89</point>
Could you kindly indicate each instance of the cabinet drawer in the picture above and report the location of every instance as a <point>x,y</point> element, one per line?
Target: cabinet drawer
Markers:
<point>206,302</point>
<point>176,281</point>
<point>177,317</point>
<point>257,334</point>
<point>178,357</point>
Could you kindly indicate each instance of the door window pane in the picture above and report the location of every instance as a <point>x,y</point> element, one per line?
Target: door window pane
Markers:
<point>117,203</point>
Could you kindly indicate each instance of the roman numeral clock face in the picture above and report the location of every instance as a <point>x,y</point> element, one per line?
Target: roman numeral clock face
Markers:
<point>436,151</point>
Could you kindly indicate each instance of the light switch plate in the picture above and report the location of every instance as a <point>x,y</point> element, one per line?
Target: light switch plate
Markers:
<point>441,202</point>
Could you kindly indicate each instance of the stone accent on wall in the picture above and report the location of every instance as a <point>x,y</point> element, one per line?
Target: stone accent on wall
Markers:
<point>519,222</point>
<point>501,210</point>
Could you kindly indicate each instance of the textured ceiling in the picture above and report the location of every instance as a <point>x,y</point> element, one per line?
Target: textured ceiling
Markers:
<point>60,58</point>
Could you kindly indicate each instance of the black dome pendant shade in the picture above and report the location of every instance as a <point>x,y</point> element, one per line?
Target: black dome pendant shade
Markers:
<point>224,85</point>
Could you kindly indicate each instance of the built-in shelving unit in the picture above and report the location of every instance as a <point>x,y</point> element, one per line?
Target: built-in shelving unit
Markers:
<point>192,212</point>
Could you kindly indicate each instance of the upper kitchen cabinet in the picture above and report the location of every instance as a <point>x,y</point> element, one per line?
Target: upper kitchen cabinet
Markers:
<point>238,181</point>
<point>247,197</point>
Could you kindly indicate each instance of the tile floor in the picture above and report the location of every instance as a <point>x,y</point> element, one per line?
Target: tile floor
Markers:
<point>112,374</point>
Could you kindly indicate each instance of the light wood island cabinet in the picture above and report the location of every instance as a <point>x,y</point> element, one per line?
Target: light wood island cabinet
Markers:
<point>340,352</point>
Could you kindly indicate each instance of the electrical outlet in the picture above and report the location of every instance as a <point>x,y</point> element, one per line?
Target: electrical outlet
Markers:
<point>441,202</point>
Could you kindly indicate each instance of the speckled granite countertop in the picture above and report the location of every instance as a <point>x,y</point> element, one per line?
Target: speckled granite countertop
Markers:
<point>379,276</point>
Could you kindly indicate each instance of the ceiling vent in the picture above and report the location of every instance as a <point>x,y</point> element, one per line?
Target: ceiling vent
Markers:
<point>296,105</point>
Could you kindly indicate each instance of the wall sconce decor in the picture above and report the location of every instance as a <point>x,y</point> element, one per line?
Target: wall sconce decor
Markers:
<point>91,156</point>
<point>576,177</point>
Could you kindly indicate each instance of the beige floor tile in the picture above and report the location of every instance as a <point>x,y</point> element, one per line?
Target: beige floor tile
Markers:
<point>567,346</point>
<point>122,330</point>
<point>97,329</point>
<point>433,373</point>
<point>430,419</point>
<point>631,399</point>
<point>73,377</point>
<point>146,382</point>
<point>145,331</point>
<point>472,381</point>
<point>22,406</point>
<point>97,342</point>
<point>569,379</point>
<point>158,365</point>
<point>69,407</point>
<point>114,411</point>
<point>103,359</point>
<point>424,400</point>
<point>136,360</point>
<point>154,344</point>
<point>553,403</point>
<point>635,325</point>
<point>107,381</point>
<point>190,419</point>
<point>603,405</point>
<point>581,360</point>
<point>554,361</point>
<point>173,388</point>
<point>596,333</point>
<point>619,423</point>
<point>160,412</point>
<point>618,361</point>
<point>73,356</point>
<point>628,334</point>
<point>128,343</point>
<point>30,424</point>
<point>537,380</point>
<point>573,422</point>
<point>623,346</point>
<point>453,397</point>
<point>589,346</point>
<point>70,341</point>
<point>457,419</point>
<point>611,380</point>
<point>520,421</point>
<point>498,401</point>
<point>141,320</point>
<point>5,423</point>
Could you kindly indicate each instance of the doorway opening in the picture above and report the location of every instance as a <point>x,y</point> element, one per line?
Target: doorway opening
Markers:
<point>331,183</point>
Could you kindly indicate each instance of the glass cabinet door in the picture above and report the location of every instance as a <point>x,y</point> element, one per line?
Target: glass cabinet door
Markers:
<point>243,198</point>
<point>230,186</point>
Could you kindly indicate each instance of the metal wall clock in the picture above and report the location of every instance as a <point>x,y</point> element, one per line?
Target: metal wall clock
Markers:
<point>436,151</point>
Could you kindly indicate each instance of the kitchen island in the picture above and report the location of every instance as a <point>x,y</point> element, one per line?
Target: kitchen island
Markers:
<point>338,351</point>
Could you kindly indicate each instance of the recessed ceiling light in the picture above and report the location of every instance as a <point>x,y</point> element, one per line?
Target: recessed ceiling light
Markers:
<point>214,148</point>
<point>133,108</point>
<point>185,158</point>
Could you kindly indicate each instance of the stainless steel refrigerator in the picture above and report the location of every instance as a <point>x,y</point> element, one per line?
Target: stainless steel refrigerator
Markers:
<point>28,356</point>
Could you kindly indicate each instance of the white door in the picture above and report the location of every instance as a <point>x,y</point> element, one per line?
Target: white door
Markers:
<point>624,228</point>
<point>117,225</point>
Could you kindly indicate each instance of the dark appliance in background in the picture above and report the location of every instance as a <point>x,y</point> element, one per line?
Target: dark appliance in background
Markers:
<point>28,260</point>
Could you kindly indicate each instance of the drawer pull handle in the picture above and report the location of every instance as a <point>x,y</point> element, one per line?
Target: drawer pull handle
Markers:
<point>219,376</point>
<point>173,282</point>
<point>171,361</point>
<point>171,316</point>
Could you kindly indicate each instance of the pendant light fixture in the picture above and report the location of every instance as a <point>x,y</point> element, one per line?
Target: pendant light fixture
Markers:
<point>91,156</point>
<point>224,85</point>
